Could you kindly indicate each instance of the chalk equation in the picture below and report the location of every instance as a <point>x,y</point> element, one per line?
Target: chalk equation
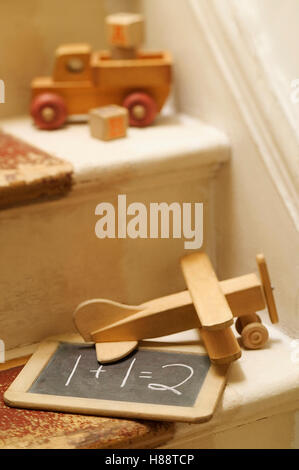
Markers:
<point>146,375</point>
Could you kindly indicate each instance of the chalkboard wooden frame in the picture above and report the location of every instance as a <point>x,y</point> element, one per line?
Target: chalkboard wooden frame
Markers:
<point>17,394</point>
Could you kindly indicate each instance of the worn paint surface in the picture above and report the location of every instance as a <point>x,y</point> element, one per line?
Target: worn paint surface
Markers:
<point>27,173</point>
<point>21,428</point>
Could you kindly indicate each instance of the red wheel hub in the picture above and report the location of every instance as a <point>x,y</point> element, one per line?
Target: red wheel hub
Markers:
<point>49,111</point>
<point>142,109</point>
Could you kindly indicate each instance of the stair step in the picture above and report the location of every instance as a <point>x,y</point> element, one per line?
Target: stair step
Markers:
<point>53,260</point>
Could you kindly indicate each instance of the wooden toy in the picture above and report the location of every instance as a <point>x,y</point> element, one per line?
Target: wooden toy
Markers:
<point>123,53</point>
<point>160,381</point>
<point>106,322</point>
<point>83,80</point>
<point>108,122</point>
<point>209,301</point>
<point>125,30</point>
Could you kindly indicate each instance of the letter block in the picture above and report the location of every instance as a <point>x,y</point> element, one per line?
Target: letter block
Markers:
<point>125,29</point>
<point>123,53</point>
<point>108,122</point>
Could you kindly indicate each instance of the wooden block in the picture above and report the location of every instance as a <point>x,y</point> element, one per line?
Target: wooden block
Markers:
<point>123,53</point>
<point>125,29</point>
<point>108,122</point>
<point>209,301</point>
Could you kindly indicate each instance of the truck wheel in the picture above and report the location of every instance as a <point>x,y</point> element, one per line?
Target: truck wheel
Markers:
<point>142,109</point>
<point>48,111</point>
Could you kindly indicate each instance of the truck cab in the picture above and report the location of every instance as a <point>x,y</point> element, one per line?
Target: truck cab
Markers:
<point>72,63</point>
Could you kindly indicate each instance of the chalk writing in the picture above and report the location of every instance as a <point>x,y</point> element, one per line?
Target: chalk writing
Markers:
<point>145,376</point>
<point>148,375</point>
<point>98,371</point>
<point>73,371</point>
<point>128,373</point>
<point>174,387</point>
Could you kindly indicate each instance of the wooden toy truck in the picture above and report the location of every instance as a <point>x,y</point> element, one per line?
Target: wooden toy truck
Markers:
<point>83,80</point>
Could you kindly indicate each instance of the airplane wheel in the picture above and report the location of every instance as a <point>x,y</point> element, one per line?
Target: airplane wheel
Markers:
<point>48,111</point>
<point>254,335</point>
<point>142,109</point>
<point>241,322</point>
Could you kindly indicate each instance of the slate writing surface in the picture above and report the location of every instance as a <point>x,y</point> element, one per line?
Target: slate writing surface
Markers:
<point>145,376</point>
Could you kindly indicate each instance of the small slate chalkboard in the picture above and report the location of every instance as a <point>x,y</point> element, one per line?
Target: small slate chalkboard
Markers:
<point>155,383</point>
<point>159,377</point>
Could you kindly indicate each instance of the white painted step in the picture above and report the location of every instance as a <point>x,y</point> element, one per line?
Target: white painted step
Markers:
<point>53,260</point>
<point>174,143</point>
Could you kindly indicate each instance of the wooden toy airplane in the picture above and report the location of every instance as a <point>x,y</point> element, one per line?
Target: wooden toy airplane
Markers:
<point>208,304</point>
